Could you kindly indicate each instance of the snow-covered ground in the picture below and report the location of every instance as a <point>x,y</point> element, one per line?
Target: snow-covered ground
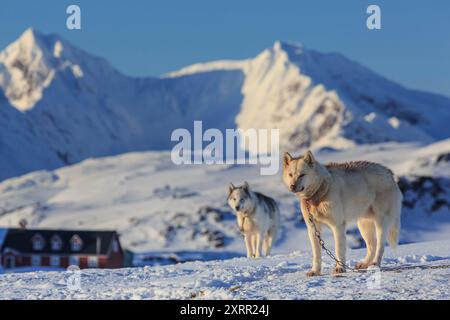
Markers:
<point>276,277</point>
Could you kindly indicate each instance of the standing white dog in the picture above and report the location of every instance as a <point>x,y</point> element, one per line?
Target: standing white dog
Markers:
<point>335,194</point>
<point>258,218</point>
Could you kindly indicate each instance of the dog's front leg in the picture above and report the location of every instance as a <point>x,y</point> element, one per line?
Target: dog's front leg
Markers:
<point>340,247</point>
<point>316,250</point>
<point>259,241</point>
<point>248,245</point>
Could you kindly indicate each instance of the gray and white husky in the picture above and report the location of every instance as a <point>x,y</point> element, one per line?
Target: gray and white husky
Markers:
<point>258,218</point>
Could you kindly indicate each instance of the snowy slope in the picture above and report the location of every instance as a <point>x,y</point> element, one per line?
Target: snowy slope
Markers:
<point>60,105</point>
<point>177,213</point>
<point>327,100</point>
<point>276,277</point>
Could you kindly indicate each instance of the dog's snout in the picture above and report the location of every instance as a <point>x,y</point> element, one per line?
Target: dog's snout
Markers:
<point>237,208</point>
<point>292,187</point>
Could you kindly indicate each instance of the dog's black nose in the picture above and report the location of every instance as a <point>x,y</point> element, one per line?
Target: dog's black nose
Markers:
<point>237,208</point>
<point>292,187</point>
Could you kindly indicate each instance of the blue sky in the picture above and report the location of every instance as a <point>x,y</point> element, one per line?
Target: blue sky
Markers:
<point>144,38</point>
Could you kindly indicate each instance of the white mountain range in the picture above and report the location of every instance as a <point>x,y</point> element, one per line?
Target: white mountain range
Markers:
<point>60,105</point>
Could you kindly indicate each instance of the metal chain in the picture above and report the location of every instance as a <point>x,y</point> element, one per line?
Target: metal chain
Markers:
<point>322,243</point>
<point>342,264</point>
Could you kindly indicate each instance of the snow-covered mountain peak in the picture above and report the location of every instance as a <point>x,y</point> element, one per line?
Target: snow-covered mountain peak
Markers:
<point>30,64</point>
<point>278,94</point>
<point>34,43</point>
<point>26,69</point>
<point>324,99</point>
<point>28,38</point>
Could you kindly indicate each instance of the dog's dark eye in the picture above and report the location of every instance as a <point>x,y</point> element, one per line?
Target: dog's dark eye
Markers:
<point>301,176</point>
<point>290,175</point>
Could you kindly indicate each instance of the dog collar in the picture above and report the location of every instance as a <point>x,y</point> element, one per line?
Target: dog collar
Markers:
<point>318,195</point>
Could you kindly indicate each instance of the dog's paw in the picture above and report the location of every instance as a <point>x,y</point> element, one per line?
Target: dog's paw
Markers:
<point>338,270</point>
<point>312,273</point>
<point>361,265</point>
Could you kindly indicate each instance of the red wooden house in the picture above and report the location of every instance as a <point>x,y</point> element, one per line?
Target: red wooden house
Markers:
<point>60,248</point>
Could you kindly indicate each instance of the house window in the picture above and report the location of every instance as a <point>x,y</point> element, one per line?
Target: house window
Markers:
<point>115,246</point>
<point>76,243</point>
<point>54,261</point>
<point>38,242</point>
<point>35,260</point>
<point>92,262</point>
<point>74,261</point>
<point>56,243</point>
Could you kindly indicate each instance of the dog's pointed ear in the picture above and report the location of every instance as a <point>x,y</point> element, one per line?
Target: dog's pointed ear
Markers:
<point>231,187</point>
<point>287,158</point>
<point>309,158</point>
<point>246,187</point>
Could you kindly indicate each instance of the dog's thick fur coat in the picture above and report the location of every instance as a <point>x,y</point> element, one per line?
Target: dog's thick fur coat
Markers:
<point>339,193</point>
<point>258,218</point>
